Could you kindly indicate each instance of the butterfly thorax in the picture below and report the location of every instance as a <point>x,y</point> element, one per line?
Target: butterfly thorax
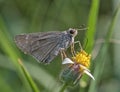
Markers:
<point>66,40</point>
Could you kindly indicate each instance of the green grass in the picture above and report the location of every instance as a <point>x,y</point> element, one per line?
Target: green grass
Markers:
<point>10,51</point>
<point>102,53</point>
<point>92,21</point>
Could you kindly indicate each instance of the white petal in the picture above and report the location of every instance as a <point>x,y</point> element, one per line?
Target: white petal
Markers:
<point>84,67</point>
<point>67,61</point>
<point>89,74</point>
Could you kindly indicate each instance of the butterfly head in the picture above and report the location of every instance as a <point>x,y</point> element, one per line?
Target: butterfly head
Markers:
<point>72,32</point>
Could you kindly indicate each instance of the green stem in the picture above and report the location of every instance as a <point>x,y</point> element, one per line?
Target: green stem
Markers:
<point>29,79</point>
<point>93,15</point>
<point>63,87</point>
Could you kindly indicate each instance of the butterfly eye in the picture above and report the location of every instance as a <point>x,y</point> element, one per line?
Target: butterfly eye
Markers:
<point>72,31</point>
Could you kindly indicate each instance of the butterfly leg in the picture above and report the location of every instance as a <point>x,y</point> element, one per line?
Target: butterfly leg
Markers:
<point>72,49</point>
<point>78,42</point>
<point>63,54</point>
<point>77,79</point>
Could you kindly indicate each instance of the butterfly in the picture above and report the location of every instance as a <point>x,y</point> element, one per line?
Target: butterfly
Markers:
<point>45,46</point>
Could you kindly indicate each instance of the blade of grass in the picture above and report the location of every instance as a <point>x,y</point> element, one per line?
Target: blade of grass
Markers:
<point>9,50</point>
<point>47,81</point>
<point>113,21</point>
<point>36,72</point>
<point>31,82</point>
<point>100,65</point>
<point>90,34</point>
<point>92,25</point>
<point>92,21</point>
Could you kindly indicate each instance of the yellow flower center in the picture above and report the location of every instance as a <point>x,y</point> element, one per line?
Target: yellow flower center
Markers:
<point>82,58</point>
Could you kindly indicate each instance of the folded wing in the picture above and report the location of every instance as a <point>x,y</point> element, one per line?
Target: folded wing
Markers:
<point>42,46</point>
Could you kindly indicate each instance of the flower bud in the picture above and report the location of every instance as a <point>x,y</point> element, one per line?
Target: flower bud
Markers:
<point>71,74</point>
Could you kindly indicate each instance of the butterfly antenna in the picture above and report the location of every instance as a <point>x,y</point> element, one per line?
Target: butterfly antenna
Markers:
<point>82,27</point>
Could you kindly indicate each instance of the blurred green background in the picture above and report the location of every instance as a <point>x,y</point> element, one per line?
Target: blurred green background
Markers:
<point>26,16</point>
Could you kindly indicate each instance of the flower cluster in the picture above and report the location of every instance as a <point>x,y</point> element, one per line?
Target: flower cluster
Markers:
<point>82,58</point>
<point>76,67</point>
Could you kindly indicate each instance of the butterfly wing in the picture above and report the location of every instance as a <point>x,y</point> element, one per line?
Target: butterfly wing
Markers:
<point>42,46</point>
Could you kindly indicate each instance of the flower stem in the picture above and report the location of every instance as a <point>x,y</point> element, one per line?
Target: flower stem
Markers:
<point>63,87</point>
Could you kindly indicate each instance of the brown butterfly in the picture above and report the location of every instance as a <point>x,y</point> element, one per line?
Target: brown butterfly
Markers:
<point>45,46</point>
